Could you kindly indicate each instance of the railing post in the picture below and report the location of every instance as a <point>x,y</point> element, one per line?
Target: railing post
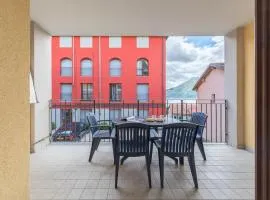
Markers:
<point>152,107</point>
<point>167,109</point>
<point>182,104</point>
<point>138,107</point>
<point>94,106</point>
<point>109,110</point>
<point>226,121</point>
<point>50,120</point>
<point>123,108</point>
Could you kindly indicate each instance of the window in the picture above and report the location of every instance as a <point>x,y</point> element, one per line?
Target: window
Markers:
<point>143,113</point>
<point>142,67</point>
<point>86,42</point>
<point>142,92</point>
<point>66,92</point>
<point>65,42</point>
<point>86,67</point>
<point>115,114</point>
<point>142,42</point>
<point>84,114</point>
<point>86,91</point>
<point>115,92</point>
<point>66,116</point>
<point>66,67</point>
<point>115,42</point>
<point>115,67</point>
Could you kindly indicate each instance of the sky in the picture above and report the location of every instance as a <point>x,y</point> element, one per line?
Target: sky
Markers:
<point>188,56</point>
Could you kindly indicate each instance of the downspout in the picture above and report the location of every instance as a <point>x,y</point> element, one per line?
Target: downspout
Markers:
<point>163,75</point>
<point>99,69</point>
<point>73,63</point>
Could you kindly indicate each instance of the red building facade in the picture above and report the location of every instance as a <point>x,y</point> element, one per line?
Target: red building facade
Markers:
<point>104,55</point>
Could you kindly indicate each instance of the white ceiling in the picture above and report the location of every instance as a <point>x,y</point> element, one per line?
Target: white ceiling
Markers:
<point>141,17</point>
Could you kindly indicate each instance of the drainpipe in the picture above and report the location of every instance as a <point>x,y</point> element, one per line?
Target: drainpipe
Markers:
<point>99,68</point>
<point>73,62</point>
<point>163,75</point>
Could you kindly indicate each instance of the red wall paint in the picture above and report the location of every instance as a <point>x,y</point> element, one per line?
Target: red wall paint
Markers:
<point>128,54</point>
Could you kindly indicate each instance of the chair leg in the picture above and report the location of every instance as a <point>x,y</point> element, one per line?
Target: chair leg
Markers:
<point>181,160</point>
<point>116,169</point>
<point>191,161</point>
<point>201,147</point>
<point>113,147</point>
<point>161,168</point>
<point>151,151</point>
<point>147,159</point>
<point>93,148</point>
<point>97,144</point>
<point>175,160</point>
<point>123,160</point>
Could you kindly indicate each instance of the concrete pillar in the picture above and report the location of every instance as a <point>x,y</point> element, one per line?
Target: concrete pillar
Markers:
<point>234,86</point>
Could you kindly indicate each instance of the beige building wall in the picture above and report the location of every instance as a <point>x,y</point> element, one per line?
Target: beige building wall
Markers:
<point>14,100</point>
<point>41,70</point>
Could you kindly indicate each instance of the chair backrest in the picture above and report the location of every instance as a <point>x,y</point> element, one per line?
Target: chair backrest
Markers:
<point>178,138</point>
<point>132,138</point>
<point>93,123</point>
<point>199,118</point>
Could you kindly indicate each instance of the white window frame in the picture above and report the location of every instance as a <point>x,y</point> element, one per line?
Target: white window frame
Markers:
<point>140,70</point>
<point>115,42</point>
<point>114,68</point>
<point>147,98</point>
<point>86,42</point>
<point>86,67</point>
<point>142,42</point>
<point>65,93</point>
<point>65,42</point>
<point>62,67</point>
<point>117,89</point>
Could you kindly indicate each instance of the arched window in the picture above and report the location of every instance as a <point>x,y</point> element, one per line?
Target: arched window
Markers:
<point>115,67</point>
<point>66,67</point>
<point>142,67</point>
<point>86,67</point>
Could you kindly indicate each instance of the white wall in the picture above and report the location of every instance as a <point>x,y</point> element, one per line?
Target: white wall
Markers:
<point>232,85</point>
<point>41,69</point>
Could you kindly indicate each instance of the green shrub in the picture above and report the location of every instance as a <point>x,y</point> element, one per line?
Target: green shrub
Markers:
<point>53,125</point>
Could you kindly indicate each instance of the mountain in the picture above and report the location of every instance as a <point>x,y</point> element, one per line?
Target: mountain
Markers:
<point>183,91</point>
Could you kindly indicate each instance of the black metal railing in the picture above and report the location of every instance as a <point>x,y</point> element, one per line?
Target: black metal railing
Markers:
<point>68,120</point>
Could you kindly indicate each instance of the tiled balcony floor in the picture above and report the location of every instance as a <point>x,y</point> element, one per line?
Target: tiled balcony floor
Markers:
<point>63,172</point>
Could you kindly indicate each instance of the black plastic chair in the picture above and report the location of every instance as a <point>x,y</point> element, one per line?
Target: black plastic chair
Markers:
<point>200,118</point>
<point>132,140</point>
<point>100,130</point>
<point>177,140</point>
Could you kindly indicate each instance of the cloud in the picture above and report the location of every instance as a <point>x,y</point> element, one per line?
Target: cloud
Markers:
<point>178,50</point>
<point>186,60</point>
